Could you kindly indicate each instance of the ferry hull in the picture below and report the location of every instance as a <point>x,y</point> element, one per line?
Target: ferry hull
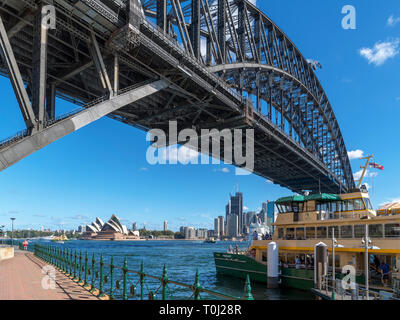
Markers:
<point>239,266</point>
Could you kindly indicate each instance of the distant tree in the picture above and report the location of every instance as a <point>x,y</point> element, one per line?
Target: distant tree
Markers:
<point>179,235</point>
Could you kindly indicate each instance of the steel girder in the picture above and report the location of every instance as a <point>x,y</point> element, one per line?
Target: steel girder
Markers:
<point>250,61</point>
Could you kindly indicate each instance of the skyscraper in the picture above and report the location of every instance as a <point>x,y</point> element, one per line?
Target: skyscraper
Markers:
<point>165,225</point>
<point>221,226</point>
<point>216,228</point>
<point>134,226</point>
<point>232,225</point>
<point>270,213</point>
<point>236,207</point>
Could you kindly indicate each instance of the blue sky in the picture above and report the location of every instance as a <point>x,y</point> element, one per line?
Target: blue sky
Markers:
<point>101,169</point>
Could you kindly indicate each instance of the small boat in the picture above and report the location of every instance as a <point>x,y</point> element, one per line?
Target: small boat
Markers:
<point>210,240</point>
<point>60,239</point>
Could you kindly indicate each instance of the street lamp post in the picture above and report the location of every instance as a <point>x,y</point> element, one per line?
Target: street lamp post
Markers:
<point>12,231</point>
<point>2,234</point>
<point>366,241</point>
<point>334,245</point>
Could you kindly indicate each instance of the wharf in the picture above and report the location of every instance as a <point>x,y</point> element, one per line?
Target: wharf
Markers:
<point>21,279</point>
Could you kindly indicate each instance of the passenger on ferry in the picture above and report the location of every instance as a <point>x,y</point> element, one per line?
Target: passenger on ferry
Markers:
<point>385,273</point>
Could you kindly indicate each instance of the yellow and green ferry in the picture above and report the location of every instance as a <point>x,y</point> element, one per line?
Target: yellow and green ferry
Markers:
<point>304,221</point>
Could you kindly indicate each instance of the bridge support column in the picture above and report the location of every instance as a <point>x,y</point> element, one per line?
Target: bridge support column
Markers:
<point>221,29</point>
<point>51,101</point>
<point>15,78</point>
<point>39,66</point>
<point>162,15</point>
<point>100,66</point>
<point>195,28</point>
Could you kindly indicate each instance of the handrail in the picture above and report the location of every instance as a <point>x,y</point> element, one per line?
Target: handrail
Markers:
<point>99,276</point>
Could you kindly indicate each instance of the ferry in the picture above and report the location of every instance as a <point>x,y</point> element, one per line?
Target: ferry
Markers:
<point>210,240</point>
<point>60,239</point>
<point>304,221</point>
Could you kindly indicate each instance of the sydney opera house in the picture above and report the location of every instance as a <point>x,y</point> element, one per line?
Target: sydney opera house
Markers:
<point>113,229</point>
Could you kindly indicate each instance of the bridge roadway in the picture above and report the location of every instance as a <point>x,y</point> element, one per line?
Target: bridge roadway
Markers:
<point>21,279</point>
<point>250,77</point>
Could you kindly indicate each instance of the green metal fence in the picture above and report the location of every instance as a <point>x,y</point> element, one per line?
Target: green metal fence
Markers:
<point>119,282</point>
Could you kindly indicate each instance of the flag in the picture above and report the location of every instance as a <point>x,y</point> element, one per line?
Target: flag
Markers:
<point>375,165</point>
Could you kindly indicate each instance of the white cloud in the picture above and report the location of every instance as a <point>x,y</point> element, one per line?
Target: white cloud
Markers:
<point>355,154</point>
<point>174,154</point>
<point>224,170</point>
<point>392,200</point>
<point>392,21</point>
<point>368,174</point>
<point>245,208</point>
<point>268,181</point>
<point>381,52</point>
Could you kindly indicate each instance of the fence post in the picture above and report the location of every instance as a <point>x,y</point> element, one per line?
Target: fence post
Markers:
<point>101,291</point>
<point>75,256</point>
<point>164,282</point>
<point>196,286</point>
<point>80,267</point>
<point>247,289</point>
<point>111,278</point>
<point>125,279</point>
<point>92,288</point>
<point>85,284</point>
<point>141,280</point>
<point>69,262</point>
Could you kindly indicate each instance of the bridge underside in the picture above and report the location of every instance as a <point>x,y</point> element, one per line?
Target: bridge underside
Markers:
<point>100,50</point>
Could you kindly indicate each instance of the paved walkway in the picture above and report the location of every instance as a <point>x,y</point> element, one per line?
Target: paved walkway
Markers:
<point>21,279</point>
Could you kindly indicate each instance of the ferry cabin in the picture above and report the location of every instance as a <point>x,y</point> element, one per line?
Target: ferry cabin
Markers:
<point>303,221</point>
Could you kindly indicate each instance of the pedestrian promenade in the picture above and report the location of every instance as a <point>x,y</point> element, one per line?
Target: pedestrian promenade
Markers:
<point>21,279</point>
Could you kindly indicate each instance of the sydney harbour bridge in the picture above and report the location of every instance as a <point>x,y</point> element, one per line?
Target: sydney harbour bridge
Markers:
<point>205,63</point>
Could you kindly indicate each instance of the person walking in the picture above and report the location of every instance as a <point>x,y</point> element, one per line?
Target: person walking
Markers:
<point>25,245</point>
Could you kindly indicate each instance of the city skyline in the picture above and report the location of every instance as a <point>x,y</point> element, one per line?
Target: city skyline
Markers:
<point>108,157</point>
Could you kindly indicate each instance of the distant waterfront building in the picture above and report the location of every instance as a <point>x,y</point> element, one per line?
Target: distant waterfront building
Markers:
<point>182,229</point>
<point>134,226</point>
<point>235,207</point>
<point>270,214</point>
<point>221,226</point>
<point>232,226</point>
<point>216,228</point>
<point>190,233</point>
<point>165,225</point>
<point>113,229</point>
<point>201,233</point>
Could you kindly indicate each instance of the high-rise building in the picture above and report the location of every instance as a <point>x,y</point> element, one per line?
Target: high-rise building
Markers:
<point>134,226</point>
<point>221,223</point>
<point>216,228</point>
<point>236,207</point>
<point>232,225</point>
<point>270,214</point>
<point>165,225</point>
<point>190,233</point>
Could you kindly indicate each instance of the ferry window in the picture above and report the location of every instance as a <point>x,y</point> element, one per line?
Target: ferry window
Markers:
<point>368,204</point>
<point>337,261</point>
<point>392,230</point>
<point>375,230</point>
<point>264,256</point>
<point>310,232</point>
<point>336,231</point>
<point>334,206</point>
<point>359,204</point>
<point>290,233</point>
<point>280,233</point>
<point>349,205</point>
<point>300,233</point>
<point>291,258</point>
<point>346,231</point>
<point>321,232</point>
<point>359,231</point>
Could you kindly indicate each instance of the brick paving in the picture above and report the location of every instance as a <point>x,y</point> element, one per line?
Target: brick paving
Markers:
<point>21,279</point>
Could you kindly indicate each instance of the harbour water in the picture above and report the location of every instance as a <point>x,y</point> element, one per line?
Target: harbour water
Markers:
<point>181,258</point>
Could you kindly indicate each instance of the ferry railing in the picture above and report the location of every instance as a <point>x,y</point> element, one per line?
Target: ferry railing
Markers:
<point>336,291</point>
<point>108,281</point>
